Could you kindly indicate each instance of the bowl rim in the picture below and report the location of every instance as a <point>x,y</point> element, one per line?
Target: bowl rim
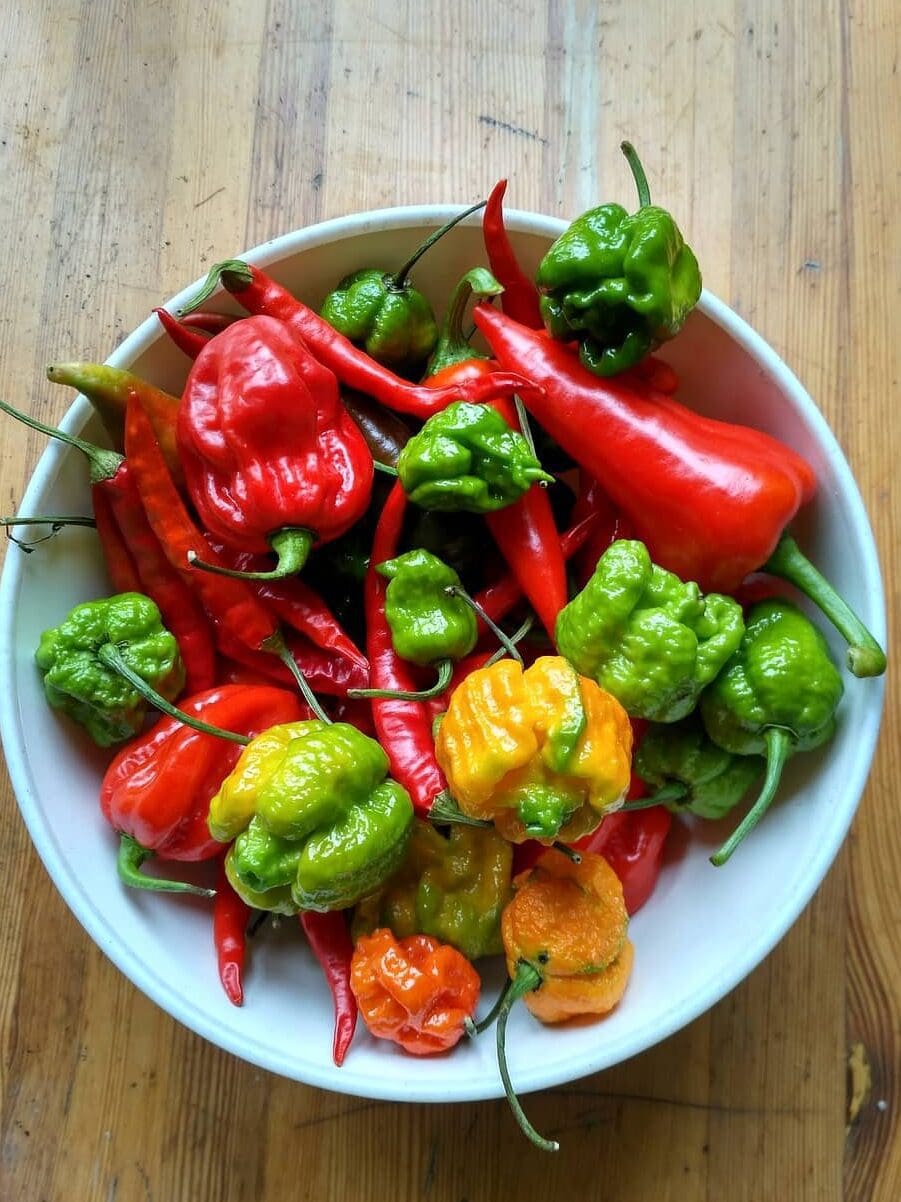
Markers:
<point>346,1079</point>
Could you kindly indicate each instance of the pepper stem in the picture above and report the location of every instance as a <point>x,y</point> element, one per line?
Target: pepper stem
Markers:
<point>865,656</point>
<point>445,672</point>
<point>641,180</point>
<point>778,747</point>
<point>456,590</point>
<point>49,519</point>
<point>111,657</point>
<point>453,344</point>
<point>674,791</point>
<point>291,545</point>
<point>516,637</point>
<point>104,464</point>
<point>232,274</point>
<point>276,645</point>
<point>128,864</point>
<point>445,809</point>
<point>398,281</point>
<point>384,467</point>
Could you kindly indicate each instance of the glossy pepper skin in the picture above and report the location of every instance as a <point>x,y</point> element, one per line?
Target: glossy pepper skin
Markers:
<point>396,326</point>
<point>271,457</point>
<point>315,824</point>
<point>777,694</point>
<point>620,283</point>
<point>416,992</point>
<point>651,640</point>
<point>681,756</point>
<point>544,753</point>
<point>452,887</point>
<point>79,683</point>
<point>467,457</point>
<point>427,623</point>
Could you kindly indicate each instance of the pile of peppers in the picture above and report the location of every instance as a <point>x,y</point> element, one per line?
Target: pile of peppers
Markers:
<point>428,646</point>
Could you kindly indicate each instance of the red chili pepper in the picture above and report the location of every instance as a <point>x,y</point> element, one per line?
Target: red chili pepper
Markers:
<point>708,498</point>
<point>632,844</point>
<point>323,670</point>
<point>231,915</point>
<point>332,946</point>
<point>272,459</point>
<point>211,323</point>
<point>404,728</point>
<point>260,294</point>
<point>120,567</point>
<point>520,298</point>
<point>608,526</point>
<point>189,342</point>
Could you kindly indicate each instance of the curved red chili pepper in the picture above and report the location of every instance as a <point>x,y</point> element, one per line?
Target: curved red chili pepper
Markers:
<point>230,917</point>
<point>332,946</point>
<point>520,296</point>
<point>117,558</point>
<point>189,342</point>
<point>324,671</point>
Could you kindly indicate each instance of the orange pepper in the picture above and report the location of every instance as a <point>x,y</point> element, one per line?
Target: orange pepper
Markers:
<point>415,991</point>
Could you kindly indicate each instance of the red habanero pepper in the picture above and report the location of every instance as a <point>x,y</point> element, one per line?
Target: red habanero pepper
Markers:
<point>260,294</point>
<point>272,458</point>
<point>333,948</point>
<point>634,850</point>
<point>231,915</point>
<point>120,567</point>
<point>520,299</point>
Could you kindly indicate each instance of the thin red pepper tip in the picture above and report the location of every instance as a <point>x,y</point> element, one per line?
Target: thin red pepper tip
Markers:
<point>230,976</point>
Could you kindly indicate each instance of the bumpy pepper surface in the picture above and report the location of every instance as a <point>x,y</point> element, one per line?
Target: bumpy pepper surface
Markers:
<point>619,283</point>
<point>427,622</point>
<point>679,756</point>
<point>777,694</point>
<point>467,457</point>
<point>543,752</point>
<point>77,681</point>
<point>651,640</point>
<point>394,324</point>
<point>316,825</point>
<point>453,887</point>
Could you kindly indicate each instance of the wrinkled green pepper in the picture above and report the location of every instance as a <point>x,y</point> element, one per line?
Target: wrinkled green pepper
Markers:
<point>428,623</point>
<point>467,457</point>
<point>621,284</point>
<point>316,825</point>
<point>645,636</point>
<point>452,887</point>
<point>691,772</point>
<point>777,694</point>
<point>77,681</point>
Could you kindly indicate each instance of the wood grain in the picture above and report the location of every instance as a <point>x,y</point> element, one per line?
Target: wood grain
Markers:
<point>139,142</point>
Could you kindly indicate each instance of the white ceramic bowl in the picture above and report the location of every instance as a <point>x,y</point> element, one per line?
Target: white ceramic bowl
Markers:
<point>704,929</point>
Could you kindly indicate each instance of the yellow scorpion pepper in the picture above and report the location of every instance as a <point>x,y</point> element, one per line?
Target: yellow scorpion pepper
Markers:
<point>544,753</point>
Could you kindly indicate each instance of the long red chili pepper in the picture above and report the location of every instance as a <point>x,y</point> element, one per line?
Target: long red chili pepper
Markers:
<point>634,850</point>
<point>520,298</point>
<point>323,670</point>
<point>332,946</point>
<point>260,294</point>
<point>189,342</point>
<point>230,917</point>
<point>120,566</point>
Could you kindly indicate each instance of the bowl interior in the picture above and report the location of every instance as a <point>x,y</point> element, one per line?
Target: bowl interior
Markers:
<point>704,929</point>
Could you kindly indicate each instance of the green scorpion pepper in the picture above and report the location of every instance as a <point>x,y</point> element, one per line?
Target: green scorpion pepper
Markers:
<point>452,887</point>
<point>690,772</point>
<point>383,313</point>
<point>80,658</point>
<point>316,825</point>
<point>467,457</point>
<point>651,640</point>
<point>621,284</point>
<point>777,694</point>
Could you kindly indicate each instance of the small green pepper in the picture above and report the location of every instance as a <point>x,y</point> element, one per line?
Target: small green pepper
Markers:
<point>429,620</point>
<point>467,457</point>
<point>651,640</point>
<point>621,284</point>
<point>777,694</point>
<point>316,825</point>
<point>691,772</point>
<point>78,681</point>
<point>452,887</point>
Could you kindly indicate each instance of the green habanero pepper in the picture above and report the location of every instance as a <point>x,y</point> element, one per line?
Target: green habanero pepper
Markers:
<point>451,887</point>
<point>645,636</point>
<point>80,678</point>
<point>690,772</point>
<point>621,284</point>
<point>467,457</point>
<point>383,313</point>
<point>316,825</point>
<point>777,694</point>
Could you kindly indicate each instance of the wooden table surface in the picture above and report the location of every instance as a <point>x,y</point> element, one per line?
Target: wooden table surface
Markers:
<point>141,141</point>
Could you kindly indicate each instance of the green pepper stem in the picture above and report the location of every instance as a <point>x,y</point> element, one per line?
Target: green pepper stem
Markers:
<point>232,274</point>
<point>103,463</point>
<point>453,344</point>
<point>445,672</point>
<point>674,791</point>
<point>456,590</point>
<point>111,657</point>
<point>291,545</point>
<point>275,644</point>
<point>384,467</point>
<point>516,637</point>
<point>778,747</point>
<point>398,280</point>
<point>128,864</point>
<point>641,180</point>
<point>445,809</point>
<point>569,852</point>
<point>48,519</point>
<point>865,656</point>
